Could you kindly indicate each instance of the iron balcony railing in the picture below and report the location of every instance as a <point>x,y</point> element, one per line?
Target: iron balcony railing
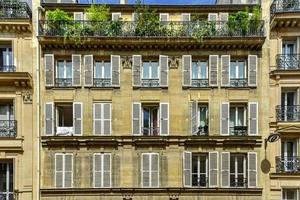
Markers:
<point>8,128</point>
<point>150,131</point>
<point>288,113</point>
<point>14,10</point>
<point>63,82</point>
<point>202,131</point>
<point>102,82</point>
<point>201,181</point>
<point>282,6</point>
<point>150,83</point>
<point>7,68</point>
<point>159,29</point>
<point>287,164</point>
<point>199,83</point>
<point>238,131</point>
<point>288,61</point>
<point>238,82</point>
<point>238,182</point>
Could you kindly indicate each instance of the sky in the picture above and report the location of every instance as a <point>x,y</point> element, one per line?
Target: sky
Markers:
<point>159,2</point>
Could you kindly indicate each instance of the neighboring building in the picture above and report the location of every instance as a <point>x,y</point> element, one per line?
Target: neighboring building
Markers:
<point>284,104</point>
<point>132,116</point>
<point>17,105</point>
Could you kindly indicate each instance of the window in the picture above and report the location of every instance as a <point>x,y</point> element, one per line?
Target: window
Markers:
<point>289,57</point>
<point>64,119</point>
<point>150,74</point>
<point>7,119</point>
<point>289,160</point>
<point>238,73</point>
<point>102,74</point>
<point>150,121</point>
<point>6,58</point>
<point>199,170</point>
<point>150,170</point>
<point>289,111</point>
<point>237,170</point>
<point>6,180</point>
<point>63,170</point>
<point>289,194</point>
<point>238,120</point>
<point>102,170</point>
<point>64,73</point>
<point>199,74</point>
<point>288,47</point>
<point>102,118</point>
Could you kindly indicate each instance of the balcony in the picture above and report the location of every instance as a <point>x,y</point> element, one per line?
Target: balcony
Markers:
<point>14,10</point>
<point>288,62</point>
<point>102,82</point>
<point>8,128</point>
<point>7,68</point>
<point>63,82</point>
<point>288,113</point>
<point>238,131</point>
<point>202,131</point>
<point>288,164</point>
<point>238,182</point>
<point>199,83</point>
<point>238,82</point>
<point>150,83</point>
<point>150,131</point>
<point>201,181</point>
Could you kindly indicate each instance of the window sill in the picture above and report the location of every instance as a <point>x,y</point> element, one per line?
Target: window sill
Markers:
<point>149,88</point>
<point>63,88</point>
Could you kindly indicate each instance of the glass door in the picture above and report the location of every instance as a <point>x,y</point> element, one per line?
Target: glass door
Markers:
<point>288,102</point>
<point>288,155</point>
<point>289,51</point>
<point>6,180</point>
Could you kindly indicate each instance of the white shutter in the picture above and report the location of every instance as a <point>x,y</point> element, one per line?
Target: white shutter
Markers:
<point>77,118</point>
<point>187,169</point>
<point>106,170</point>
<point>136,70</point>
<point>224,118</point>
<point>97,170</point>
<point>98,118</point>
<point>186,17</point>
<point>164,68</point>
<point>49,69</point>
<point>154,170</point>
<point>212,16</point>
<point>106,118</point>
<point>68,170</point>
<point>213,166</point>
<point>59,170</point>
<point>225,169</point>
<point>78,16</point>
<point>252,169</point>
<point>88,70</point>
<point>225,62</point>
<point>76,64</point>
<point>164,17</point>
<point>49,119</point>
<point>145,170</point>
<point>252,70</point>
<point>164,118</point>
<point>253,118</point>
<point>115,16</point>
<point>115,67</point>
<point>136,119</point>
<point>213,70</point>
<point>223,17</point>
<point>186,70</point>
<point>194,117</point>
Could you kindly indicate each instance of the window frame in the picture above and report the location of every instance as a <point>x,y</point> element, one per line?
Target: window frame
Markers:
<point>150,71</point>
<point>199,168</point>
<point>65,61</point>
<point>237,69</point>
<point>285,44</point>
<point>199,68</point>
<point>102,69</point>
<point>284,194</point>
<point>236,107</point>
<point>11,162</point>
<point>63,169</point>
<point>150,170</point>
<point>236,173</point>
<point>151,108</point>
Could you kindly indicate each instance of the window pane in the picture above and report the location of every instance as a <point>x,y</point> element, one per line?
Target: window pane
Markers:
<point>98,71</point>
<point>202,164</point>
<point>3,177</point>
<point>11,177</point>
<point>240,121</point>
<point>60,69</point>
<point>241,69</point>
<point>232,164</point>
<point>195,164</point>
<point>69,70</point>
<point>232,117</point>
<point>203,119</point>
<point>146,118</point>
<point>154,66</point>
<point>240,164</point>
<point>107,70</point>
<point>203,70</point>
<point>233,70</point>
<point>146,70</point>
<point>195,70</point>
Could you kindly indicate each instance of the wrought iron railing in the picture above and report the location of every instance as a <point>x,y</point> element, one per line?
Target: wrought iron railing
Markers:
<point>68,1</point>
<point>14,10</point>
<point>159,29</point>
<point>102,82</point>
<point>150,83</point>
<point>287,164</point>
<point>288,61</point>
<point>150,131</point>
<point>7,68</point>
<point>202,131</point>
<point>8,128</point>
<point>199,83</point>
<point>288,113</point>
<point>238,182</point>
<point>238,130</point>
<point>201,181</point>
<point>281,6</point>
<point>238,82</point>
<point>63,82</point>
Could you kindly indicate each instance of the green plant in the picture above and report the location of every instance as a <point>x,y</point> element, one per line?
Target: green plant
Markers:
<point>203,29</point>
<point>238,23</point>
<point>58,21</point>
<point>98,13</point>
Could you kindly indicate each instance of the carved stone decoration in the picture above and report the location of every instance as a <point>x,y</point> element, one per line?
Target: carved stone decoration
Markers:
<point>27,97</point>
<point>173,62</point>
<point>174,196</point>
<point>126,62</point>
<point>127,196</point>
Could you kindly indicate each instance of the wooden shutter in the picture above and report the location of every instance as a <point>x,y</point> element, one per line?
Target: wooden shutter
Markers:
<point>106,119</point>
<point>136,118</point>
<point>186,70</point>
<point>225,62</point>
<point>78,16</point>
<point>252,169</point>
<point>97,110</point>
<point>49,119</point>
<point>186,17</point>
<point>76,64</point>
<point>88,70</point>
<point>213,70</point>
<point>136,68</point>
<point>253,118</point>
<point>212,16</point>
<point>97,180</point>
<point>225,169</point>
<point>77,118</point>
<point>213,169</point>
<point>164,17</point>
<point>187,169</point>
<point>164,68</point>
<point>115,16</point>
<point>194,118</point>
<point>68,170</point>
<point>224,115</point>
<point>49,69</point>
<point>154,170</point>
<point>223,17</point>
<point>106,170</point>
<point>164,118</point>
<point>146,170</point>
<point>115,67</point>
<point>252,70</point>
<point>59,170</point>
